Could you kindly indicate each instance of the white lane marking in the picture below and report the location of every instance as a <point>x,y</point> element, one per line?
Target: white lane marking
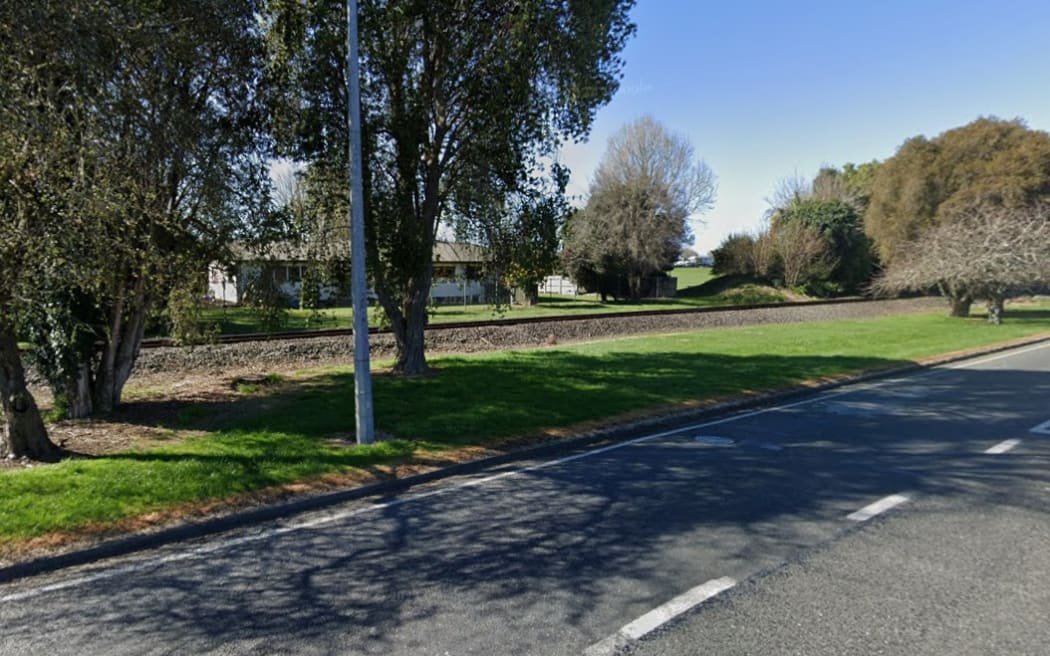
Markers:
<point>338,516</point>
<point>877,508</point>
<point>998,356</point>
<point>659,616</point>
<point>1041,429</point>
<point>1002,447</point>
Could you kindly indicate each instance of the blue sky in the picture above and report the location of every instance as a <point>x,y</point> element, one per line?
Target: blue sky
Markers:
<point>767,89</point>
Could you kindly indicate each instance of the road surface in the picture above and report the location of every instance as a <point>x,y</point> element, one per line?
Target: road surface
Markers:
<point>906,516</point>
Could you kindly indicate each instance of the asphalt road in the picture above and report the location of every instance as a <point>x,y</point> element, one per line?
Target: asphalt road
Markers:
<point>867,520</point>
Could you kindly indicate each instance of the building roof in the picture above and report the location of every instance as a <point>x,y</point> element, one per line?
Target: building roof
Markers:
<point>458,252</point>
<point>288,251</point>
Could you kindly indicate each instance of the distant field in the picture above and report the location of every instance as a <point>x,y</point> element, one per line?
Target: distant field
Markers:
<point>692,276</point>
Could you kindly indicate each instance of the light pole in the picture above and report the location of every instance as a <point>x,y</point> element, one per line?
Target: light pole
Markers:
<point>364,426</point>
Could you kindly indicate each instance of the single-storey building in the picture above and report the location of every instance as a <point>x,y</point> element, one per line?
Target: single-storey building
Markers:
<point>458,274</point>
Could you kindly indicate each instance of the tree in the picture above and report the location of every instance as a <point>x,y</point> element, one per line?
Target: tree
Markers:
<point>45,195</point>
<point>178,156</point>
<point>859,179</point>
<point>456,97</point>
<point>848,250</point>
<point>800,248</point>
<point>734,256</point>
<point>520,231</point>
<point>832,204</point>
<point>130,150</point>
<point>988,252</point>
<point>647,186</point>
<point>933,181</point>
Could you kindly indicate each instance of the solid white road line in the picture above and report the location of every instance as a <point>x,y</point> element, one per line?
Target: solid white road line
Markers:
<point>214,546</point>
<point>877,508</point>
<point>998,356</point>
<point>1041,429</point>
<point>659,616</point>
<point>1002,447</point>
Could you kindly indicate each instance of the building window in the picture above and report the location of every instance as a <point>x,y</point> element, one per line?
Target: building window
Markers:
<point>444,272</point>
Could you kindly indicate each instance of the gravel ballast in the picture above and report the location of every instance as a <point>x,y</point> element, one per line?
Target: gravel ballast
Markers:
<point>307,351</point>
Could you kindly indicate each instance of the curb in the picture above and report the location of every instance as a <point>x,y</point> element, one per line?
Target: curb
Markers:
<point>127,545</point>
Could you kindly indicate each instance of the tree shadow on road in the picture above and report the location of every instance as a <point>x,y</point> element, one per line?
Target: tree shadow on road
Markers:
<point>573,545</point>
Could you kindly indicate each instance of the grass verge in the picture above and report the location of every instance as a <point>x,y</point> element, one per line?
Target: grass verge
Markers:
<point>297,433</point>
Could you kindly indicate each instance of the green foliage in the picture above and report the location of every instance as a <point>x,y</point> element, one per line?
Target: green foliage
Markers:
<point>750,294</point>
<point>733,257</point>
<point>434,130</point>
<point>647,186</point>
<point>520,232</point>
<point>859,180</point>
<point>157,135</point>
<point>932,181</point>
<point>851,261</point>
<point>185,312</point>
<point>267,301</point>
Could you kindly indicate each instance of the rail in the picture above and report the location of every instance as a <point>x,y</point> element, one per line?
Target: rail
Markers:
<point>161,342</point>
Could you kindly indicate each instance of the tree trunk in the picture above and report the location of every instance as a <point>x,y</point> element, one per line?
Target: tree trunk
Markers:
<point>532,294</point>
<point>408,324</point>
<point>121,350</point>
<point>411,343</point>
<point>24,432</point>
<point>995,310</point>
<point>77,394</point>
<point>960,305</point>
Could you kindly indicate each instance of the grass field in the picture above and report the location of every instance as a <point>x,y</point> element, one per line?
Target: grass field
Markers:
<point>691,276</point>
<point>239,320</point>
<point>284,434</point>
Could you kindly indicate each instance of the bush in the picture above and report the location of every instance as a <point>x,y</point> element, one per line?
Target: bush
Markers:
<point>734,256</point>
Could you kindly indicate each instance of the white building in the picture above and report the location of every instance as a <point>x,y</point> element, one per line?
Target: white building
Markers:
<point>458,274</point>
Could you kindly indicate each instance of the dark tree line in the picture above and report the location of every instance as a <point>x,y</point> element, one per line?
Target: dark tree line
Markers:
<point>955,214</point>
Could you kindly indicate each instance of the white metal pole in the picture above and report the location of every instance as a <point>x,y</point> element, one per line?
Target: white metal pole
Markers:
<point>364,427</point>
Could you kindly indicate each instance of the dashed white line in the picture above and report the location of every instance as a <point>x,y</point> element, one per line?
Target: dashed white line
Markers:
<point>1041,429</point>
<point>659,616</point>
<point>1002,447</point>
<point>877,508</point>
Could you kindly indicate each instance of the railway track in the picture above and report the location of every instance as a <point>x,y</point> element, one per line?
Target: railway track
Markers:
<point>161,342</point>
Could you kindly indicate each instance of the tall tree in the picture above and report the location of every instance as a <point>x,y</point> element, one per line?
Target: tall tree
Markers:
<point>647,186</point>
<point>833,204</point>
<point>45,190</point>
<point>178,152</point>
<point>932,181</point>
<point>455,95</point>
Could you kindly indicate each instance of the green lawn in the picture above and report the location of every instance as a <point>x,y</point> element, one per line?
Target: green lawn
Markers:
<point>239,320</point>
<point>286,436</point>
<point>691,276</point>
